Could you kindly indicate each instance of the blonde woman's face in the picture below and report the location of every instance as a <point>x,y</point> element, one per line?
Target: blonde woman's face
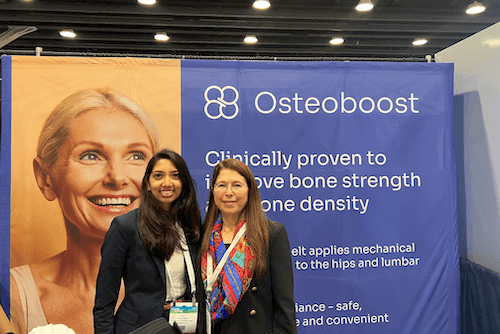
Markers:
<point>99,171</point>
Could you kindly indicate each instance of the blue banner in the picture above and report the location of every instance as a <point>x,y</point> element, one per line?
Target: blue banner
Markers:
<point>5,157</point>
<point>357,161</point>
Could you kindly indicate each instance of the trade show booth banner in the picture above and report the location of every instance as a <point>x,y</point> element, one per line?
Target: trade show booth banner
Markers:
<point>355,159</point>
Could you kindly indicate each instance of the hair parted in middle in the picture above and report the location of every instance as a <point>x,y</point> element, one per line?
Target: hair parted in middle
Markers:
<point>157,226</point>
<point>257,223</point>
<point>56,127</point>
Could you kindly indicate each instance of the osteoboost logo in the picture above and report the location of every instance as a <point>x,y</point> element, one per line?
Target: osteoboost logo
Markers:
<point>222,102</point>
<point>222,108</point>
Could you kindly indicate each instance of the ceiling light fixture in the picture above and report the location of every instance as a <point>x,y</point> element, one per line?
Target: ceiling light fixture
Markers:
<point>336,41</point>
<point>161,37</point>
<point>364,6</point>
<point>147,2</point>
<point>261,4</point>
<point>419,41</point>
<point>250,39</point>
<point>492,43</point>
<point>475,8</point>
<point>67,33</point>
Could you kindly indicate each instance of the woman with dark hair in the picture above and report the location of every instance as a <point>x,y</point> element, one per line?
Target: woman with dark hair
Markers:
<point>246,265</point>
<point>151,248</point>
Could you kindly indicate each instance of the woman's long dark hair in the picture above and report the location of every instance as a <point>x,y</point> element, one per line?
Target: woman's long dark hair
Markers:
<point>157,226</point>
<point>257,222</point>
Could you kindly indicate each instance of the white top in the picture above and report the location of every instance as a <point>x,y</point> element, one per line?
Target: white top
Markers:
<point>175,272</point>
<point>34,315</point>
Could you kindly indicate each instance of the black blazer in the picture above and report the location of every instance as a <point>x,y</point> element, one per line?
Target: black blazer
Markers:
<point>268,305</point>
<point>124,256</point>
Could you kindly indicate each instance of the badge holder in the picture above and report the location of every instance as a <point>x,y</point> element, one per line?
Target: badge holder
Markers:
<point>185,314</point>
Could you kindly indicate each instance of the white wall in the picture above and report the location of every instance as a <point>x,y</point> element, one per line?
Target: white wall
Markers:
<point>477,135</point>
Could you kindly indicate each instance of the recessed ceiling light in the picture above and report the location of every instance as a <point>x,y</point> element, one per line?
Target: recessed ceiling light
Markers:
<point>261,4</point>
<point>147,2</point>
<point>475,8</point>
<point>419,41</point>
<point>492,42</point>
<point>364,6</point>
<point>67,33</point>
<point>336,41</point>
<point>161,37</point>
<point>250,39</point>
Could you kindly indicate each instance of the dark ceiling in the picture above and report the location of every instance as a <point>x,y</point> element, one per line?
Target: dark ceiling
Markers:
<point>289,29</point>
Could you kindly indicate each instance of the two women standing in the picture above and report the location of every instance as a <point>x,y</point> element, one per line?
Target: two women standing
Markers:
<point>246,283</point>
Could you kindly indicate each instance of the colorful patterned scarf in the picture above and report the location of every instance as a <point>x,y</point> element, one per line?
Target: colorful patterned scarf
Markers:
<point>235,276</point>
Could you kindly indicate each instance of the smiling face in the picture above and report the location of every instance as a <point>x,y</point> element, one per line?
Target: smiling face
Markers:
<point>100,168</point>
<point>165,183</point>
<point>230,194</point>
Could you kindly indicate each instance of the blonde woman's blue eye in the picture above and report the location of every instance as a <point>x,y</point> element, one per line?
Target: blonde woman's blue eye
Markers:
<point>138,156</point>
<point>89,156</point>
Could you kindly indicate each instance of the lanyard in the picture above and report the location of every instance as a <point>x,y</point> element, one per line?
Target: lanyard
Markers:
<point>212,275</point>
<point>189,266</point>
